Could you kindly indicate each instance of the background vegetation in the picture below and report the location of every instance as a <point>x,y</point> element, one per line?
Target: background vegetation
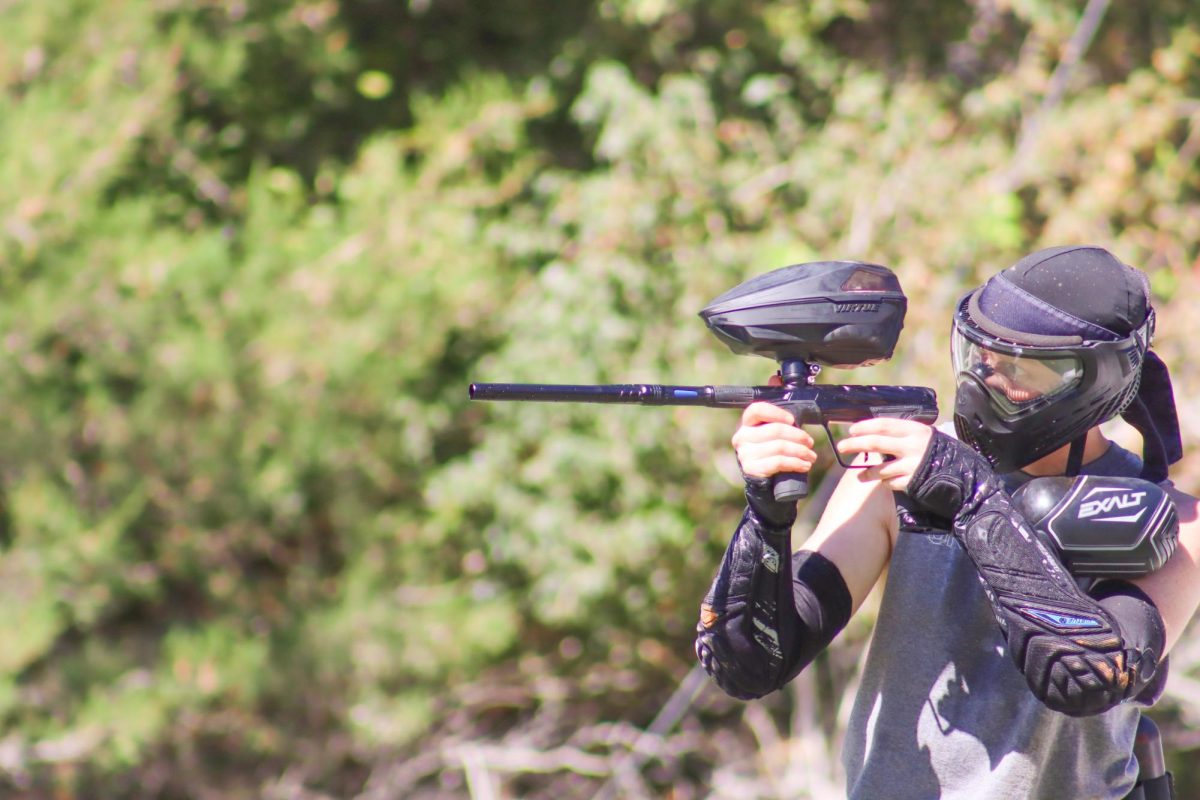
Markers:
<point>257,543</point>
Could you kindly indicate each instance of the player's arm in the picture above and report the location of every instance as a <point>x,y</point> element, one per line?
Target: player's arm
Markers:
<point>769,612</point>
<point>1080,654</point>
<point>1175,587</point>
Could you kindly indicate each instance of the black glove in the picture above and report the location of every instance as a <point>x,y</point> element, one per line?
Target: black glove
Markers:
<point>776,517</point>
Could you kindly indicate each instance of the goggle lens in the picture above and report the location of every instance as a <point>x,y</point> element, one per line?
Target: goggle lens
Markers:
<point>1017,379</point>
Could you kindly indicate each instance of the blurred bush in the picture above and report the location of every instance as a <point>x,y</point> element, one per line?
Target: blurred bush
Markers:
<point>257,541</point>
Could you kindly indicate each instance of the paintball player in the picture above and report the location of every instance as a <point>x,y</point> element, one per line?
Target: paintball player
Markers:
<point>993,674</point>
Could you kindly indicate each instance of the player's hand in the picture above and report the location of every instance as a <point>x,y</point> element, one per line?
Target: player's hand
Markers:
<point>903,440</point>
<point>768,442</point>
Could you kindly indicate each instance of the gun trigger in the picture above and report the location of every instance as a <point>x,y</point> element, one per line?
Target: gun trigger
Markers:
<point>838,455</point>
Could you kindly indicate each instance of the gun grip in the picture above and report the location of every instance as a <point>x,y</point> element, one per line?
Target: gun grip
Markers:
<point>790,486</point>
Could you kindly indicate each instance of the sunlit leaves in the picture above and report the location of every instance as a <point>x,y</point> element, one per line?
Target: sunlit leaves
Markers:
<point>252,254</point>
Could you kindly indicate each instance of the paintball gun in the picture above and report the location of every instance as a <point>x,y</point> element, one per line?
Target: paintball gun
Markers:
<point>840,314</point>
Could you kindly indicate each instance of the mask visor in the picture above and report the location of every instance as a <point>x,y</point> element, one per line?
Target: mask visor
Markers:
<point>1018,380</point>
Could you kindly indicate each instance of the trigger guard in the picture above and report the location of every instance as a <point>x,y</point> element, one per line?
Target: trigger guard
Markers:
<point>838,455</point>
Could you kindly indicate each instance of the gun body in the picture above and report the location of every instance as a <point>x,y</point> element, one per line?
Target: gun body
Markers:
<point>809,405</point>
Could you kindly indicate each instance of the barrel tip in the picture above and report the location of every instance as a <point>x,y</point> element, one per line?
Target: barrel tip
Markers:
<point>471,391</point>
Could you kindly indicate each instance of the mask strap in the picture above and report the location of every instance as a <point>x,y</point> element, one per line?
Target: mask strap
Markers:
<point>1075,457</point>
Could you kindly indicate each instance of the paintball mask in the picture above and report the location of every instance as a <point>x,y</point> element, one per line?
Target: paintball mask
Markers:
<point>1048,349</point>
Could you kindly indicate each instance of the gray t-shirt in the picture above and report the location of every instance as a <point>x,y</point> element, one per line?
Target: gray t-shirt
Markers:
<point>943,712</point>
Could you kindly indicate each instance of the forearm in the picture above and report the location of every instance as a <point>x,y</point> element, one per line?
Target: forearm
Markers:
<point>1079,655</point>
<point>767,613</point>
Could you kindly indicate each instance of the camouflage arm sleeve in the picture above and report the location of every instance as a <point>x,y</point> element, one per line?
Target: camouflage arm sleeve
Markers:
<point>1079,655</point>
<point>768,614</point>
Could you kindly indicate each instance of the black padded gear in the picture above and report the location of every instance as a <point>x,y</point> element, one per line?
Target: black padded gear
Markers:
<point>761,623</point>
<point>776,517</point>
<point>1076,656</point>
<point>1101,526</point>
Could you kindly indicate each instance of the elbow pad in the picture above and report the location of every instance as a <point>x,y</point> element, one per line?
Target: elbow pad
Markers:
<point>762,623</point>
<point>1078,655</point>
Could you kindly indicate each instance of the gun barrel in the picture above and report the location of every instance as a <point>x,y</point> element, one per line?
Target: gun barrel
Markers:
<point>633,393</point>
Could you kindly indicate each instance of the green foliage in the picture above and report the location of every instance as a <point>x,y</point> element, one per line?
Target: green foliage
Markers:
<point>252,253</point>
